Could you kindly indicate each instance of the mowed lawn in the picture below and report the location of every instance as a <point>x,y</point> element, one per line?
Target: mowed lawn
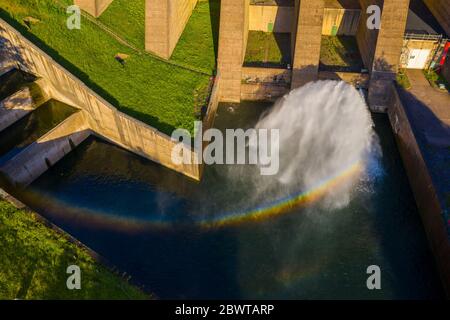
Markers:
<point>158,93</point>
<point>34,261</point>
<point>197,46</point>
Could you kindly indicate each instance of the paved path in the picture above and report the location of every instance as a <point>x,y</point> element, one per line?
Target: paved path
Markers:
<point>428,109</point>
<point>437,101</point>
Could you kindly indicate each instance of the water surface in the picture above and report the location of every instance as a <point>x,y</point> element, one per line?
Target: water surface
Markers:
<point>150,222</point>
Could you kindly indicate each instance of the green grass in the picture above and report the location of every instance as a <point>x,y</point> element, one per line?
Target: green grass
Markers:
<point>127,19</point>
<point>198,43</point>
<point>34,259</point>
<point>158,93</point>
<point>435,79</point>
<point>197,46</point>
<point>340,53</point>
<point>403,80</point>
<point>267,49</point>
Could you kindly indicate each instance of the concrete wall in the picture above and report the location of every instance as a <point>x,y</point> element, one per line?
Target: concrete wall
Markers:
<point>280,17</point>
<point>340,22</point>
<point>422,186</point>
<point>354,78</point>
<point>233,35</point>
<point>15,107</point>
<point>441,11</point>
<point>253,74</point>
<point>100,116</point>
<point>165,21</point>
<point>264,84</point>
<point>308,38</point>
<point>366,38</point>
<point>46,151</point>
<point>381,49</point>
<point>93,7</point>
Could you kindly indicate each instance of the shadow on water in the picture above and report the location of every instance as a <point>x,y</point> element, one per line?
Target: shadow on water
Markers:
<point>401,217</point>
<point>27,130</point>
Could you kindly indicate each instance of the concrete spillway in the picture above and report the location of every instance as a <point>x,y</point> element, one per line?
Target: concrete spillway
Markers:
<point>35,131</point>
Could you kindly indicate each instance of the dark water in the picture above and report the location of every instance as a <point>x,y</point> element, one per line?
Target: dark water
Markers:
<point>145,219</point>
<point>27,130</point>
<point>13,81</point>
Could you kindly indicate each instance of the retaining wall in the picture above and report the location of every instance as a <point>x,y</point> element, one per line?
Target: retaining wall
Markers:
<point>37,158</point>
<point>354,78</point>
<point>422,185</point>
<point>101,116</point>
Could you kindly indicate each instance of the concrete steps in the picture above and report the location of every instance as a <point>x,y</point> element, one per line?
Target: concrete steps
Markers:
<point>30,139</point>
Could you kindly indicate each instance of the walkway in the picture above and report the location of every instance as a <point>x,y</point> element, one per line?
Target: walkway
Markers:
<point>428,110</point>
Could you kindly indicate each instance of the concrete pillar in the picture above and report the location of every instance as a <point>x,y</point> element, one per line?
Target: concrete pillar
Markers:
<point>93,7</point>
<point>308,38</point>
<point>233,35</point>
<point>441,11</point>
<point>165,21</point>
<point>386,58</point>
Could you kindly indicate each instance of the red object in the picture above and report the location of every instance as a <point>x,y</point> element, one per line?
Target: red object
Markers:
<point>444,54</point>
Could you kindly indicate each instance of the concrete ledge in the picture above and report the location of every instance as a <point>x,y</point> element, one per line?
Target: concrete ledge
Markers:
<point>28,165</point>
<point>354,78</point>
<point>422,185</point>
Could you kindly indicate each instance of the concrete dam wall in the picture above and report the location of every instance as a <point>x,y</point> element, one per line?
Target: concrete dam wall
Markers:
<point>100,116</point>
<point>422,186</point>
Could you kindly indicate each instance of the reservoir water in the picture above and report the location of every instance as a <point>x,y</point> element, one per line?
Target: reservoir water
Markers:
<point>183,239</point>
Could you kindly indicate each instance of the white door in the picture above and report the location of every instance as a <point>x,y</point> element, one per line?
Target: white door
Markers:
<point>418,58</point>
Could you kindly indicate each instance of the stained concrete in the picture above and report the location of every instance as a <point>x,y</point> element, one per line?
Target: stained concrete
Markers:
<point>165,21</point>
<point>409,126</point>
<point>232,45</point>
<point>308,38</point>
<point>21,103</point>
<point>93,7</point>
<point>441,10</point>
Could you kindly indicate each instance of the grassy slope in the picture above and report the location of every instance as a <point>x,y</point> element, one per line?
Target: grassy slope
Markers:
<point>197,45</point>
<point>127,19</point>
<point>155,92</point>
<point>263,47</point>
<point>34,258</point>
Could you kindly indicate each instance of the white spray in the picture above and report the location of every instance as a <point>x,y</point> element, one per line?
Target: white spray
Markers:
<point>325,128</point>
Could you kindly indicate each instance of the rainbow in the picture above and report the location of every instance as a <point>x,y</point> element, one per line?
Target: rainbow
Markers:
<point>283,205</point>
<point>217,221</point>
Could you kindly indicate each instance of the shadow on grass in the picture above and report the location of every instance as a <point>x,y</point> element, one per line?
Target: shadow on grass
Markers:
<point>347,49</point>
<point>214,13</point>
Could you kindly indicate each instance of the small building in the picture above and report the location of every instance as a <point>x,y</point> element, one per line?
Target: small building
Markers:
<point>424,41</point>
